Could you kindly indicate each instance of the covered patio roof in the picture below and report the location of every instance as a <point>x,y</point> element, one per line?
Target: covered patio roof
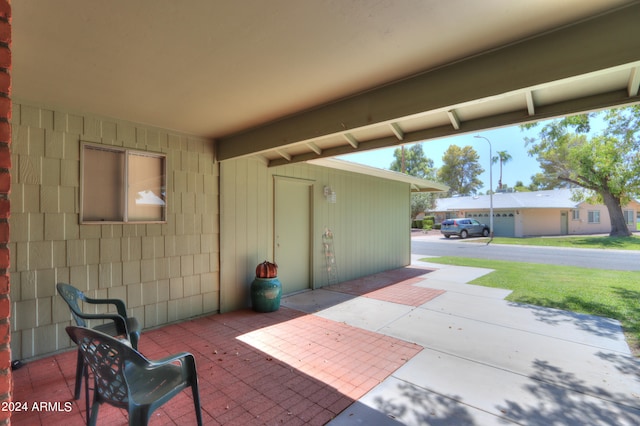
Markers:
<point>292,81</point>
<point>417,184</point>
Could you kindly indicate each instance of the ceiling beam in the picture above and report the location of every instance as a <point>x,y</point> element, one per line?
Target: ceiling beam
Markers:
<point>395,128</point>
<point>560,109</point>
<point>352,141</point>
<point>565,53</point>
<point>315,148</point>
<point>634,82</point>
<point>453,117</point>
<point>531,106</point>
<point>284,155</point>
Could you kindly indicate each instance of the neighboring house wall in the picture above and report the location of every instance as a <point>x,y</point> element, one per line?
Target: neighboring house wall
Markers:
<point>518,224</point>
<point>532,222</point>
<point>548,221</point>
<point>583,226</point>
<point>164,272</point>
<point>540,222</point>
<point>370,222</point>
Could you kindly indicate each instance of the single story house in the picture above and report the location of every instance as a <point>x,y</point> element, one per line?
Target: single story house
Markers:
<point>199,256</point>
<point>157,152</point>
<point>523,214</point>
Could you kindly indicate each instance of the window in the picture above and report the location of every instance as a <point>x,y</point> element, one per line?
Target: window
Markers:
<point>575,214</point>
<point>628,216</point>
<point>121,185</point>
<point>594,216</point>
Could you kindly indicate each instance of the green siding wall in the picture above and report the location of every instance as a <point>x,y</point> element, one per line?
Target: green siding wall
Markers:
<point>164,272</point>
<point>370,222</point>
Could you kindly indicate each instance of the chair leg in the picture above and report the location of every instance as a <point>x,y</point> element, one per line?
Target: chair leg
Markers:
<point>80,370</point>
<point>87,404</point>
<point>139,415</point>
<point>94,413</point>
<point>196,402</point>
<point>134,338</point>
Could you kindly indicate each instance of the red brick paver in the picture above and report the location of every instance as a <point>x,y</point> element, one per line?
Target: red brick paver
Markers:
<point>284,367</point>
<point>395,286</point>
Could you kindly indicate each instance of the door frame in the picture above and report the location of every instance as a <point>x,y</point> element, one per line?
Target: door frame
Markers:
<point>564,222</point>
<point>310,183</point>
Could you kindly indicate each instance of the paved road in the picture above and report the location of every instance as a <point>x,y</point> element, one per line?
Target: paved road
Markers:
<point>622,260</point>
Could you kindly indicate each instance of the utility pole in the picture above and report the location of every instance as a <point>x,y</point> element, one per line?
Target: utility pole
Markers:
<point>490,188</point>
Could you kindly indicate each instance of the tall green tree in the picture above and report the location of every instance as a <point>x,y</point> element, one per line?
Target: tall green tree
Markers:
<point>460,170</point>
<point>542,181</point>
<point>503,157</point>
<point>519,187</point>
<point>606,164</point>
<point>414,162</point>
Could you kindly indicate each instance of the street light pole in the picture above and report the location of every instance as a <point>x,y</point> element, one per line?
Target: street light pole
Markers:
<point>490,187</point>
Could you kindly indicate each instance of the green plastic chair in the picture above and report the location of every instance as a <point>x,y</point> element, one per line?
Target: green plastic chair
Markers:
<point>117,324</point>
<point>124,378</point>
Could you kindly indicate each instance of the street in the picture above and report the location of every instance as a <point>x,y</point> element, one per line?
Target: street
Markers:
<point>436,245</point>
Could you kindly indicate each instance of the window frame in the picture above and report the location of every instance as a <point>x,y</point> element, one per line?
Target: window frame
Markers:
<point>592,216</point>
<point>575,214</point>
<point>126,184</point>
<point>629,216</point>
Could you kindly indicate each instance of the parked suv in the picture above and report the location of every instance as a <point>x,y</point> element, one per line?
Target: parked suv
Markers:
<point>463,228</point>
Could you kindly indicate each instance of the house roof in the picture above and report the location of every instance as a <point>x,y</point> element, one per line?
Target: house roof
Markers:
<point>291,81</point>
<point>417,184</point>
<point>557,198</point>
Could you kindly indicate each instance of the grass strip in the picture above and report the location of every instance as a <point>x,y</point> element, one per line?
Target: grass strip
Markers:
<point>607,293</point>
<point>597,242</point>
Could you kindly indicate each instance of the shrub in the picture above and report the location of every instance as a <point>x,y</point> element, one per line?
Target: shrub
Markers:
<point>427,223</point>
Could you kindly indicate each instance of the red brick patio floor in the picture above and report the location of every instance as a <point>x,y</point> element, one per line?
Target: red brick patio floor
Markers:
<point>283,367</point>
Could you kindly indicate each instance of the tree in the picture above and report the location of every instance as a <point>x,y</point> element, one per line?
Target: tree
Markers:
<point>460,170</point>
<point>542,181</point>
<point>421,202</point>
<point>606,164</point>
<point>519,187</point>
<point>415,164</point>
<point>503,157</point>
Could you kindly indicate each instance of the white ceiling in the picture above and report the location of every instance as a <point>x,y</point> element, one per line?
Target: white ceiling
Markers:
<point>217,68</point>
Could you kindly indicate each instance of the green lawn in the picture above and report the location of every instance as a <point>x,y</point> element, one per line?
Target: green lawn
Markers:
<point>612,294</point>
<point>618,243</point>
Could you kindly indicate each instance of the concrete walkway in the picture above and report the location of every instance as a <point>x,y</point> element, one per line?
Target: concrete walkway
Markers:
<point>415,346</point>
<point>486,361</point>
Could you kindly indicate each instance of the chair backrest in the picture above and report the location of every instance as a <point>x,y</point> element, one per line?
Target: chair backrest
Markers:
<point>106,356</point>
<point>72,296</point>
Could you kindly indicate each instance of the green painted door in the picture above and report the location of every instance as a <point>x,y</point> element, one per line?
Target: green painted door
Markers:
<point>292,233</point>
<point>564,223</point>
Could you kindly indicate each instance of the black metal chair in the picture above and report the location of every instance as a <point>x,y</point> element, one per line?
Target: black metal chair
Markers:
<point>117,324</point>
<point>124,378</point>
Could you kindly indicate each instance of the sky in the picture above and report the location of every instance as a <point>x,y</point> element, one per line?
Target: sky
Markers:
<point>511,139</point>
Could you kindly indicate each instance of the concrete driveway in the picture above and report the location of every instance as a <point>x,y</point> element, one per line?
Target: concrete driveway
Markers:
<point>486,361</point>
